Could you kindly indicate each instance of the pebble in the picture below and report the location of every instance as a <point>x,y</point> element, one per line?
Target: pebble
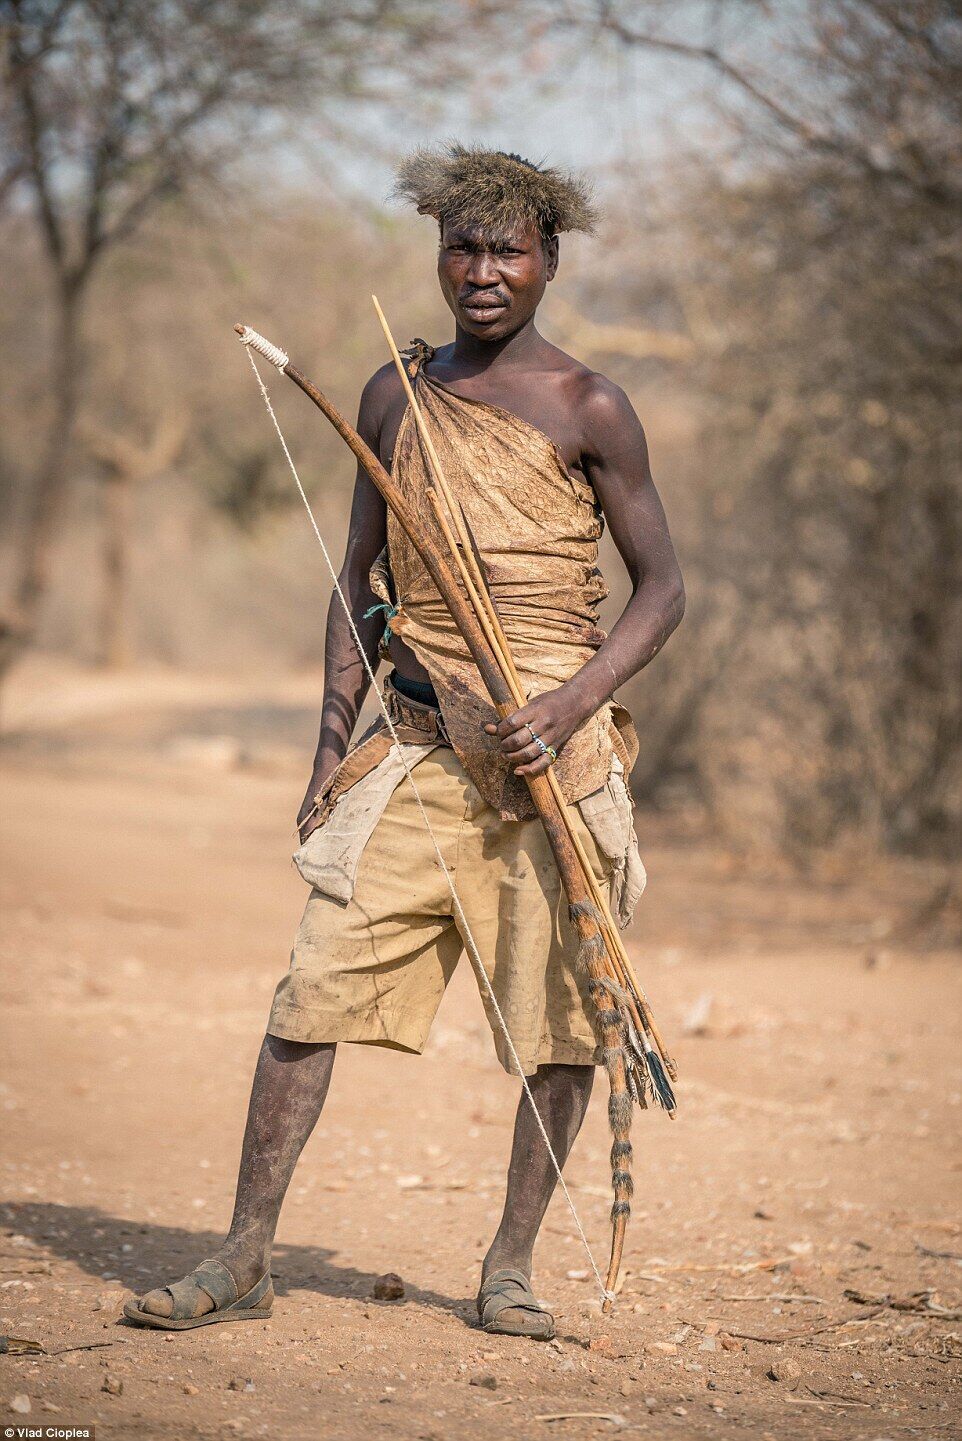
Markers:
<point>112,1385</point>
<point>662,1348</point>
<point>190,1390</point>
<point>21,1403</point>
<point>785,1369</point>
<point>485,1379</point>
<point>388,1287</point>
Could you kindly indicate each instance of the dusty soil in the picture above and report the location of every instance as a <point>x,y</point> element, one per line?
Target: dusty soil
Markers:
<point>148,905</point>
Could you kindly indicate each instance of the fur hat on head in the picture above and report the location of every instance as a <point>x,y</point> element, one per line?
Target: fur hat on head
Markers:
<point>467,185</point>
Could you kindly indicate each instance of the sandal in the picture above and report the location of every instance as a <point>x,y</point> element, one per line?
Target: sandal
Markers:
<point>211,1279</point>
<point>511,1291</point>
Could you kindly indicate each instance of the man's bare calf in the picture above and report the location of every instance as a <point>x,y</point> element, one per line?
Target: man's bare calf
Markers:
<point>561,1094</point>
<point>290,1087</point>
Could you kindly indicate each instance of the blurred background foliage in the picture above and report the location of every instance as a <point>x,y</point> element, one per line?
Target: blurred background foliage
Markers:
<point>776,285</point>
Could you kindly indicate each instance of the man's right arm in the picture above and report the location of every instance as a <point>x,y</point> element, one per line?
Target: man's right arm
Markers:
<point>345,677</point>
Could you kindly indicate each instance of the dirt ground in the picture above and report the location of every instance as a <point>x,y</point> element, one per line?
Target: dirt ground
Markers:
<point>793,1261</point>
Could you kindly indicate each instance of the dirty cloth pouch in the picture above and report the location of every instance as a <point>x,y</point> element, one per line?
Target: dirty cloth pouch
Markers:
<point>329,858</point>
<point>609,815</point>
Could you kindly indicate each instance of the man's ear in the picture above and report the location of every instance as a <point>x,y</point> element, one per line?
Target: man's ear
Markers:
<point>551,250</point>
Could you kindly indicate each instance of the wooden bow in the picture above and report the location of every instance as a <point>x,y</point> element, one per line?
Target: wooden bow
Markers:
<point>634,1054</point>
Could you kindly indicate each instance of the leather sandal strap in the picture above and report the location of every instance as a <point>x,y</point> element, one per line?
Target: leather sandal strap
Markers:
<point>507,1291</point>
<point>495,1278</point>
<point>217,1281</point>
<point>211,1279</point>
<point>255,1295</point>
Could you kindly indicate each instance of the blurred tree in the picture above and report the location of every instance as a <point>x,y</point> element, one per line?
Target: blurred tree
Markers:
<point>125,464</point>
<point>223,571</point>
<point>111,107</point>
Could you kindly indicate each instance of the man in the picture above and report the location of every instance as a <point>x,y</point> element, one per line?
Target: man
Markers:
<point>537,449</point>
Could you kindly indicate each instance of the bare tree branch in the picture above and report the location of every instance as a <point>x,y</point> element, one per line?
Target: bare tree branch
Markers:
<point>22,77</point>
<point>841,145</point>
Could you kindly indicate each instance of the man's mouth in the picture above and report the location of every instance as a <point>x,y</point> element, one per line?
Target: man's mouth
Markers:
<point>482,310</point>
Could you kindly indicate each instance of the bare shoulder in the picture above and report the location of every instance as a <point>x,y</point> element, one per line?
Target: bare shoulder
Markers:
<point>609,420</point>
<point>596,397</point>
<point>382,391</point>
<point>600,400</point>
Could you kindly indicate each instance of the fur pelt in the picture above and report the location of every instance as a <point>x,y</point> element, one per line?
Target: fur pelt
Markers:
<point>498,192</point>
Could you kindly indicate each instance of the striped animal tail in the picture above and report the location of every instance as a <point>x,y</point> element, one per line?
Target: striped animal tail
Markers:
<point>612,1031</point>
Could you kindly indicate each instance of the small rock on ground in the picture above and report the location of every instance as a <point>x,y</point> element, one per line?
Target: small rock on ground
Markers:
<point>485,1379</point>
<point>388,1287</point>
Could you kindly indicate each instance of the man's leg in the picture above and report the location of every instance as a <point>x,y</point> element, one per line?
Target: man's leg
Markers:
<point>290,1087</point>
<point>561,1095</point>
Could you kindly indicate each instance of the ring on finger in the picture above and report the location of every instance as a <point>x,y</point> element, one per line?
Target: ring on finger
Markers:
<point>545,750</point>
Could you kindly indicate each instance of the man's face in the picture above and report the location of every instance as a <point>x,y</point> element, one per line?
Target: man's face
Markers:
<point>494,287</point>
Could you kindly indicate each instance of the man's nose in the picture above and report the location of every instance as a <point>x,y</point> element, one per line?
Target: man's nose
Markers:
<point>483,270</point>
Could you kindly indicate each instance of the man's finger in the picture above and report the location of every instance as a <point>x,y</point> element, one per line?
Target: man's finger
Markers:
<point>535,767</point>
<point>524,756</point>
<point>518,740</point>
<point>505,727</point>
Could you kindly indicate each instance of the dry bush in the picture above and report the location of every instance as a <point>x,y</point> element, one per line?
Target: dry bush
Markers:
<point>815,700</point>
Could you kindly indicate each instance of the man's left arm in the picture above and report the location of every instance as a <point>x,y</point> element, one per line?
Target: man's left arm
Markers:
<point>615,459</point>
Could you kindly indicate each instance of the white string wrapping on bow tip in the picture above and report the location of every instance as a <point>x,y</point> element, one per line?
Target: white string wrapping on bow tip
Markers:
<point>466,933</point>
<point>273,353</point>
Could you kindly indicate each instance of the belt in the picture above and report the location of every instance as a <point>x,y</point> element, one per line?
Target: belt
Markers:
<point>416,724</point>
<point>414,715</point>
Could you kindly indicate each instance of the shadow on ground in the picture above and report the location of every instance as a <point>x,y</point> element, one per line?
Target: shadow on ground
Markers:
<point>93,1240</point>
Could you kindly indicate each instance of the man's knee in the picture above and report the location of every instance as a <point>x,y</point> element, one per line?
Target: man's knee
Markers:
<point>279,1048</point>
<point>575,1078</point>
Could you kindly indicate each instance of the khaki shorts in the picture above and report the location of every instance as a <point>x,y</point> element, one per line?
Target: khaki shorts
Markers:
<point>373,969</point>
